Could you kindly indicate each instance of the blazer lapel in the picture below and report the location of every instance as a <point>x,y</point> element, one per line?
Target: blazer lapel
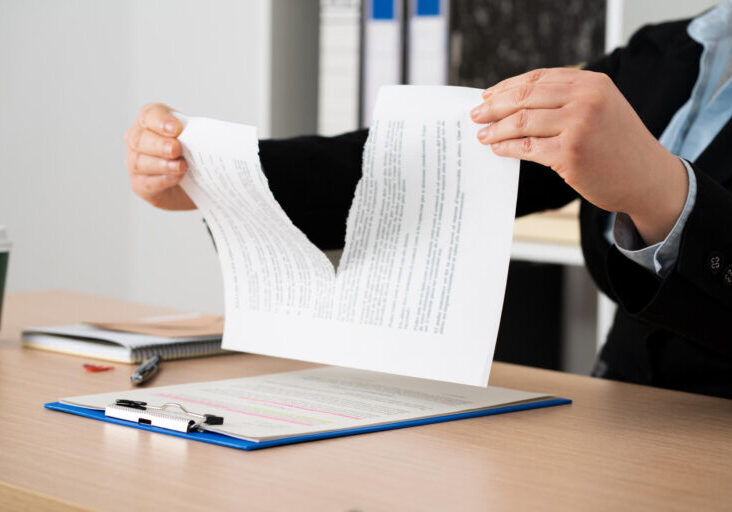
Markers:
<point>658,84</point>
<point>679,69</point>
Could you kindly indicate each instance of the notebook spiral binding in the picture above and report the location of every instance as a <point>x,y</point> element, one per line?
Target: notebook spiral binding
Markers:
<point>178,350</point>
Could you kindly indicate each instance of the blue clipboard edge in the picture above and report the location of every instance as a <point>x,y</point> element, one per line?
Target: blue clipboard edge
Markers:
<point>232,442</point>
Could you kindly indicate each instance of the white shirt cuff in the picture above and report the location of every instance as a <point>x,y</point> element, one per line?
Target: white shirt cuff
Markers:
<point>661,257</point>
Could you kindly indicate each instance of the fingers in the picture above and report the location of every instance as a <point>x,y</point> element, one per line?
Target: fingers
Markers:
<point>149,152</point>
<point>543,150</point>
<point>535,76</point>
<point>150,187</point>
<point>510,100</point>
<point>159,119</point>
<point>146,141</point>
<point>140,163</point>
<point>154,158</point>
<point>524,123</point>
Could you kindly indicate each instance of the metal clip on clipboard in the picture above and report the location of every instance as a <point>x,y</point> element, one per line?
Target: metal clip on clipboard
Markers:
<point>171,416</point>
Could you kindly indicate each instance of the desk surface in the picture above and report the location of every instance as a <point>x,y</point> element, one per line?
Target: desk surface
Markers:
<point>618,447</point>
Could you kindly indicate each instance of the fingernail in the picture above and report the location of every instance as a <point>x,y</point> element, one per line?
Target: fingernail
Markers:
<point>496,146</point>
<point>171,177</point>
<point>173,165</point>
<point>170,127</point>
<point>168,148</point>
<point>484,132</point>
<point>476,111</point>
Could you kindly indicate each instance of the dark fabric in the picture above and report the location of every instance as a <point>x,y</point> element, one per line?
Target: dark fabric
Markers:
<point>314,179</point>
<point>675,332</point>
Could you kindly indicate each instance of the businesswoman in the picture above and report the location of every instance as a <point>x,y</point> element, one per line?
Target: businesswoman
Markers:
<point>642,136</point>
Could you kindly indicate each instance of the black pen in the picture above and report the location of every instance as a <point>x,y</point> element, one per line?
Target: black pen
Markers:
<point>146,370</point>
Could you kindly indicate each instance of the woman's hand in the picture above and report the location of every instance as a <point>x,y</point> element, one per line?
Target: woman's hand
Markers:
<point>154,158</point>
<point>579,124</point>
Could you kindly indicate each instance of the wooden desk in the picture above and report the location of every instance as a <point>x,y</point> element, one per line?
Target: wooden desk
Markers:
<point>618,447</point>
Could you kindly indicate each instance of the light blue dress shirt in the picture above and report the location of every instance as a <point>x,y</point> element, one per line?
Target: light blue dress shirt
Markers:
<point>688,134</point>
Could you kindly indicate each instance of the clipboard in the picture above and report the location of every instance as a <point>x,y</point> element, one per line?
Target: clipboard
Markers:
<point>233,442</point>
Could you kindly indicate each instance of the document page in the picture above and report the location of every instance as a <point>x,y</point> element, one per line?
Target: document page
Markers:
<point>419,289</point>
<point>316,400</point>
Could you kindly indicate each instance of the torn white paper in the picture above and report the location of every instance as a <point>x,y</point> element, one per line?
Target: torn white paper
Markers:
<point>420,286</point>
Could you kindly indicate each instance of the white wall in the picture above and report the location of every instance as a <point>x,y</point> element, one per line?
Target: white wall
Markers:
<point>627,16</point>
<point>207,59</point>
<point>72,76</point>
<point>64,101</point>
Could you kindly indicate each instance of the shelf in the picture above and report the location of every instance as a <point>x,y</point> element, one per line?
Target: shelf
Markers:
<point>549,237</point>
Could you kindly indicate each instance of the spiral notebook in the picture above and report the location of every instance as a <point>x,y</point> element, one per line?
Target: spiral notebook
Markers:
<point>173,337</point>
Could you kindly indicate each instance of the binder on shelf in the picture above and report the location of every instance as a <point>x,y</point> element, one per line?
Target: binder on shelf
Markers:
<point>382,51</point>
<point>339,68</point>
<point>427,61</point>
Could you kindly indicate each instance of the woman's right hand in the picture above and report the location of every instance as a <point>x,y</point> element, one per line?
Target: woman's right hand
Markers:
<point>154,159</point>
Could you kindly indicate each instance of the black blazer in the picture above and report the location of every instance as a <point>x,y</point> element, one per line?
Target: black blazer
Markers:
<point>674,332</point>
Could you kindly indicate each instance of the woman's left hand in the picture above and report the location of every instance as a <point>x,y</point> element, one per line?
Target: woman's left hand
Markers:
<point>579,124</point>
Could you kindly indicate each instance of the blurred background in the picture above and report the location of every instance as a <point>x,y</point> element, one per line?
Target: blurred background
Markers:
<point>73,74</point>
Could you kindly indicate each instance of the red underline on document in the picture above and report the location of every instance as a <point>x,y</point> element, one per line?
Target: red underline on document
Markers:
<point>231,409</point>
<point>298,407</point>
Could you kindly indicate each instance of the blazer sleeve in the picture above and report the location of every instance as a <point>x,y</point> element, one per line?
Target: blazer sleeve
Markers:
<point>540,188</point>
<point>695,299</point>
<point>314,179</point>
